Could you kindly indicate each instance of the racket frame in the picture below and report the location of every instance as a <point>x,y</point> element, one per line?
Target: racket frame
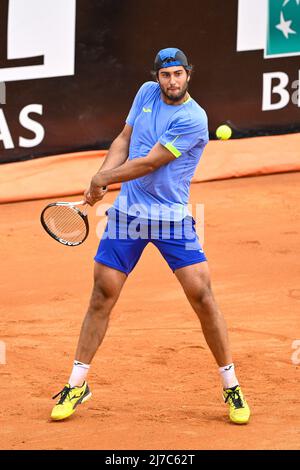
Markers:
<point>82,214</point>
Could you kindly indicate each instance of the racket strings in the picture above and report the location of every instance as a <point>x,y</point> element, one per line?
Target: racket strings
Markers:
<point>66,220</point>
<point>66,223</point>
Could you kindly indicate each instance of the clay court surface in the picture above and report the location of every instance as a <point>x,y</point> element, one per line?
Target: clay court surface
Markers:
<point>154,382</point>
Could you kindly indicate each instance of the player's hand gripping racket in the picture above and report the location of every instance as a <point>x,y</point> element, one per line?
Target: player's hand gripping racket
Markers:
<point>66,222</point>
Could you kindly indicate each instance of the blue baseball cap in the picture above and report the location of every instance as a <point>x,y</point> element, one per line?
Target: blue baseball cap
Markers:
<point>171,57</point>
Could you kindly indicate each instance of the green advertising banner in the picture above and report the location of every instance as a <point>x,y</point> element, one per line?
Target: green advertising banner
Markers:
<point>283,28</point>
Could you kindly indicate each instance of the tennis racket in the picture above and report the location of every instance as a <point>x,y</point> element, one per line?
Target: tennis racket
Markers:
<point>66,222</point>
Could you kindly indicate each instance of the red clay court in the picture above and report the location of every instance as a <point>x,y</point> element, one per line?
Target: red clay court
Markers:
<point>155,384</point>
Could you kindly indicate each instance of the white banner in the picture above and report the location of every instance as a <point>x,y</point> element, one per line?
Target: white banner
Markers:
<point>252,25</point>
<point>40,28</point>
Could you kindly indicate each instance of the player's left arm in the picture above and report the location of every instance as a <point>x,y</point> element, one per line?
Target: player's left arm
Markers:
<point>132,169</point>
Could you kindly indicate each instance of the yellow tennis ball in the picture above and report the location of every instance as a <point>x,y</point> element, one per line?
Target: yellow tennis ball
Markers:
<point>224,132</point>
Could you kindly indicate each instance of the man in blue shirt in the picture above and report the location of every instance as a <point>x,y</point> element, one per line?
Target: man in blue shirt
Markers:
<point>154,158</point>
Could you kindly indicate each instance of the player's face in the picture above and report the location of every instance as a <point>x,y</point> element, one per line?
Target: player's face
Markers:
<point>173,83</point>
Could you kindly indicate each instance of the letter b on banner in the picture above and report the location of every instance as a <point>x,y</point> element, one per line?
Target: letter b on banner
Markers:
<point>280,89</point>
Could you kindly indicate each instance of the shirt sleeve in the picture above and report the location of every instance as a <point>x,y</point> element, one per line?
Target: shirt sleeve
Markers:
<point>184,134</point>
<point>137,104</point>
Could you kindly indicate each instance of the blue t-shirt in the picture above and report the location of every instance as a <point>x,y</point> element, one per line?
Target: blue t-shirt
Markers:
<point>183,130</point>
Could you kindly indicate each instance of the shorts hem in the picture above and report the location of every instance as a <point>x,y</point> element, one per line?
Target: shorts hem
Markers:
<point>110,265</point>
<point>189,263</point>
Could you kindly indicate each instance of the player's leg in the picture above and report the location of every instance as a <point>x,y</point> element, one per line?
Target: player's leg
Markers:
<point>116,257</point>
<point>182,250</point>
<point>195,280</point>
<point>108,283</point>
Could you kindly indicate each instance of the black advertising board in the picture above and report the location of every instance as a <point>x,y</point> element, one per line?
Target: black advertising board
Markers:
<point>69,69</point>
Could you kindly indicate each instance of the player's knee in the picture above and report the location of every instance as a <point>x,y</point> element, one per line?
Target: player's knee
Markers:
<point>103,296</point>
<point>204,294</point>
<point>201,294</point>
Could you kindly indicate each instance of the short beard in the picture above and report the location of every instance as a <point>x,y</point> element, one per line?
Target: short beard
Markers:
<point>177,98</point>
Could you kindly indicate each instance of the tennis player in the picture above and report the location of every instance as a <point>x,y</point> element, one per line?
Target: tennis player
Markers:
<point>154,157</point>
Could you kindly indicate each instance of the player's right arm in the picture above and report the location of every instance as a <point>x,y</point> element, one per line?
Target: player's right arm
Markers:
<point>119,149</point>
<point>116,156</point>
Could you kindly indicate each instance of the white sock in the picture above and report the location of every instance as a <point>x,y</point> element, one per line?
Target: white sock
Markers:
<point>79,373</point>
<point>228,376</point>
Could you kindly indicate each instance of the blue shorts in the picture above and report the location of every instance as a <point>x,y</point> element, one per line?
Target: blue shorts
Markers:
<point>125,238</point>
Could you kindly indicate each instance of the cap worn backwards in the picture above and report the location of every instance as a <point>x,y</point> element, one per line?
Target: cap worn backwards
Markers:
<point>170,57</point>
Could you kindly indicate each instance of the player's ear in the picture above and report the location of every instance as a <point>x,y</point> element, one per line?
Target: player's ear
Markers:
<point>189,73</point>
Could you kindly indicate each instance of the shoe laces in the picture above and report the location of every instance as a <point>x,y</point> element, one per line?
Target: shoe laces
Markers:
<point>235,397</point>
<point>65,392</point>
